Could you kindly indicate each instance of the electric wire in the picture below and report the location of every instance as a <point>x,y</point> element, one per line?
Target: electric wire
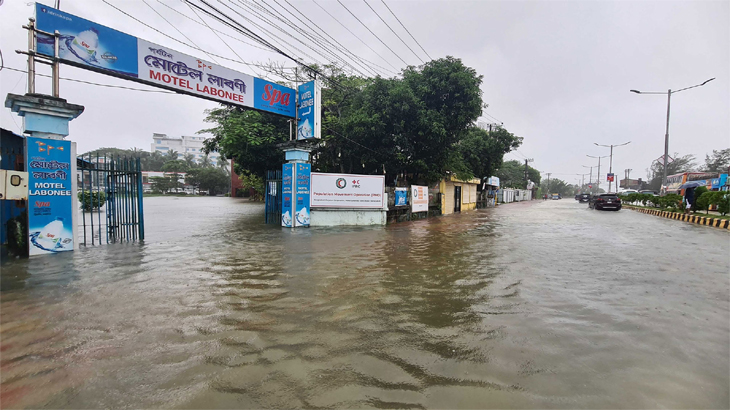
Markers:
<point>178,30</point>
<point>343,48</point>
<point>175,39</point>
<point>371,32</point>
<point>492,117</point>
<point>224,42</point>
<point>391,29</point>
<point>356,36</point>
<point>331,57</point>
<point>217,31</point>
<point>316,40</point>
<point>98,84</point>
<point>280,40</point>
<point>404,27</point>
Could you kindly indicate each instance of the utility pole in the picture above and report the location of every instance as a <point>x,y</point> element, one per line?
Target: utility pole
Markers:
<point>526,168</point>
<point>628,175</point>
<point>548,184</point>
<point>598,176</point>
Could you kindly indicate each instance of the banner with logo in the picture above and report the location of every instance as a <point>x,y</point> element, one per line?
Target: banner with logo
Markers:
<point>50,200</point>
<point>419,198</point>
<point>309,112</point>
<point>401,196</point>
<point>609,177</point>
<point>89,45</point>
<point>347,191</point>
<point>303,179</point>
<point>287,180</point>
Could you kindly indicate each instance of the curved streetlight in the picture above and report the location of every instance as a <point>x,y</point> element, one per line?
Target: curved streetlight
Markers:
<point>598,174</point>
<point>610,161</point>
<point>666,135</point>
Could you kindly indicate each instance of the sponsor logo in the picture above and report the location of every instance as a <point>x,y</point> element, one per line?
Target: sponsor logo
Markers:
<point>341,183</point>
<point>274,96</point>
<point>109,57</point>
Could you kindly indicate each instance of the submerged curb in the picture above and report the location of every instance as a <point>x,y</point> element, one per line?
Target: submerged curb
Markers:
<point>695,219</point>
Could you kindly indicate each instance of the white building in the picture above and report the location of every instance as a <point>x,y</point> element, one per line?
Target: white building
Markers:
<point>185,145</point>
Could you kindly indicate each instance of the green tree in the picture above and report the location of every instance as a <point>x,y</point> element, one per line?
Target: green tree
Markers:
<point>190,161</point>
<point>482,151</point>
<point>164,184</point>
<point>176,167</point>
<point>171,155</point>
<point>205,162</point>
<point>678,165</point>
<point>213,180</point>
<point>719,161</point>
<point>512,174</point>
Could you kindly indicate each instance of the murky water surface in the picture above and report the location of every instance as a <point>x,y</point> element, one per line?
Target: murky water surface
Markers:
<point>545,305</point>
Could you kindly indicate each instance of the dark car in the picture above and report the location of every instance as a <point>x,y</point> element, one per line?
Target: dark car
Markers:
<point>584,198</point>
<point>605,201</point>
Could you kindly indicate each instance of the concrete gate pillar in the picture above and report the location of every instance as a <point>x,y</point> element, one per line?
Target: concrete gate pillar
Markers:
<point>51,164</point>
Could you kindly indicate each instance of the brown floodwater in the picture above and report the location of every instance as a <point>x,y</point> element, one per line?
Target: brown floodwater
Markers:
<point>530,305</point>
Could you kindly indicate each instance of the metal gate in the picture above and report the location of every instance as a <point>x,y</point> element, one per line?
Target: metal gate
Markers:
<point>273,197</point>
<point>110,198</point>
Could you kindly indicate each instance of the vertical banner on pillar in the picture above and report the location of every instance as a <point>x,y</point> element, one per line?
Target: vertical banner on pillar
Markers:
<point>303,178</point>
<point>287,183</point>
<point>50,196</point>
<point>308,111</point>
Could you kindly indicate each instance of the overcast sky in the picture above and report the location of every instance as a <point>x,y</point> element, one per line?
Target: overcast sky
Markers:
<point>556,73</point>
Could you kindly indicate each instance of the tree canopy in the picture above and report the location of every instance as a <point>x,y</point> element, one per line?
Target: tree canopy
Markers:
<point>512,174</point>
<point>419,127</point>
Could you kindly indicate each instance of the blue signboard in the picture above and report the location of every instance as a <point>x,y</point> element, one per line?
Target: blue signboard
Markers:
<point>306,112</point>
<point>401,196</point>
<point>93,46</point>
<point>303,178</point>
<point>287,181</point>
<point>50,190</point>
<point>274,98</point>
<point>718,183</point>
<point>83,42</point>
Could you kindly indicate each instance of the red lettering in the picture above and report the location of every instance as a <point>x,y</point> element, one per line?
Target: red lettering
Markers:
<point>154,75</point>
<point>39,204</point>
<point>275,96</point>
<point>166,78</point>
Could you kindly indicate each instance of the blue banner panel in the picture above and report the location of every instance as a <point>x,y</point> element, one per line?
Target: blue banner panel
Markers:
<point>401,196</point>
<point>83,42</point>
<point>305,112</point>
<point>287,180</point>
<point>304,176</point>
<point>274,98</point>
<point>50,190</point>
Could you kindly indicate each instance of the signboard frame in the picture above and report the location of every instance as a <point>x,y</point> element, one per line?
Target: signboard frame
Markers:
<point>95,47</point>
<point>339,187</point>
<point>419,198</point>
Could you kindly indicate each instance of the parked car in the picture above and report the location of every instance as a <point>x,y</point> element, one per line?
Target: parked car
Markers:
<point>605,201</point>
<point>555,196</point>
<point>584,198</point>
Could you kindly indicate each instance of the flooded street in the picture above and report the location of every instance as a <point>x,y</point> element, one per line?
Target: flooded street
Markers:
<point>539,305</point>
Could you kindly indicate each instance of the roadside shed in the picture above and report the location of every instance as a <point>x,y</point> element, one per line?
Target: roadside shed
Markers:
<point>458,195</point>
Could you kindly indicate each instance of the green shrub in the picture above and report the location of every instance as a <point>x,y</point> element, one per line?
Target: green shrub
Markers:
<point>697,194</point>
<point>723,203</point>
<point>703,201</point>
<point>92,200</point>
<point>18,235</point>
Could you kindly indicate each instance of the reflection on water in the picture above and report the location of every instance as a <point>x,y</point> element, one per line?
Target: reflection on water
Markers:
<point>497,308</point>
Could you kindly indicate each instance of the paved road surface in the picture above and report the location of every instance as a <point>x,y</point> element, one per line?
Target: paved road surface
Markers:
<point>538,305</point>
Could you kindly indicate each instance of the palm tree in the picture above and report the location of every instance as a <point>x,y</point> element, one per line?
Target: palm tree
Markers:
<point>171,155</point>
<point>205,162</point>
<point>190,160</point>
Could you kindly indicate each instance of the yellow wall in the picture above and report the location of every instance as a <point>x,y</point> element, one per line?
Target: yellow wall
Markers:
<point>468,194</point>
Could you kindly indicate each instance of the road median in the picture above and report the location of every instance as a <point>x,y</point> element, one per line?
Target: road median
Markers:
<point>695,219</point>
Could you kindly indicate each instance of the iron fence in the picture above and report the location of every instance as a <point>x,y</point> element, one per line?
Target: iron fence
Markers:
<point>273,197</point>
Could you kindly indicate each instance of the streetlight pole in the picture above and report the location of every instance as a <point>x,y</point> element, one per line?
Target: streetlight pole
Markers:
<point>666,134</point>
<point>610,166</point>
<point>598,176</point>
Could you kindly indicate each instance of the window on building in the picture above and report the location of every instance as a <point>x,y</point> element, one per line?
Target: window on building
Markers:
<point>162,148</point>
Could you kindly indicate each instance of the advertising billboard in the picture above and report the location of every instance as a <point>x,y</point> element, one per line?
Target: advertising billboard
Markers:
<point>303,179</point>
<point>308,112</point>
<point>347,191</point>
<point>419,198</point>
<point>287,181</point>
<point>50,200</point>
<point>401,196</point>
<point>89,45</point>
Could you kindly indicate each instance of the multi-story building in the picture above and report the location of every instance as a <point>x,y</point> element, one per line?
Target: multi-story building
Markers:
<point>185,145</point>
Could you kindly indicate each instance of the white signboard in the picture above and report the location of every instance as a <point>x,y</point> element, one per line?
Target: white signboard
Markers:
<point>419,198</point>
<point>347,191</point>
